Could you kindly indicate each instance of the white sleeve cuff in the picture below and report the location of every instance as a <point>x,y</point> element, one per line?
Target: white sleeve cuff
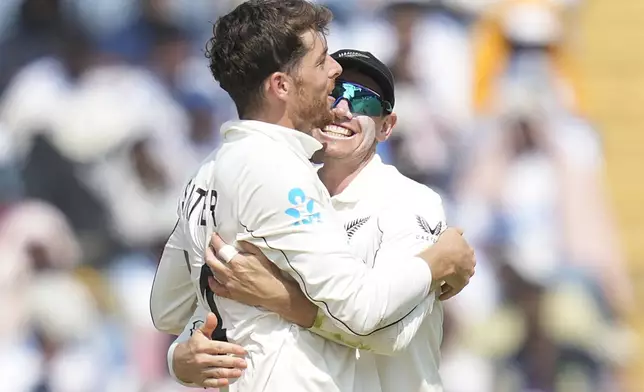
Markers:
<point>425,273</point>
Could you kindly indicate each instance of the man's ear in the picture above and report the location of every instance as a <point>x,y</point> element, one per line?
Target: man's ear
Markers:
<point>278,85</point>
<point>387,127</point>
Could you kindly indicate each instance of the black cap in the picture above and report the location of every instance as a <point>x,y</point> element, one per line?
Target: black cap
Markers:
<point>368,64</point>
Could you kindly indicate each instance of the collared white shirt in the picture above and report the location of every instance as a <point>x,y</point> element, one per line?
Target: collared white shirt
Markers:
<point>260,187</point>
<point>389,217</point>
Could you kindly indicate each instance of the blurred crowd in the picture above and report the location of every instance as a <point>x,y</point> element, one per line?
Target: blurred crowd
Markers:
<point>107,107</point>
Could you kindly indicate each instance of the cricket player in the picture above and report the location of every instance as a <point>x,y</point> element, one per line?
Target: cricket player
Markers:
<point>260,187</point>
<point>384,214</point>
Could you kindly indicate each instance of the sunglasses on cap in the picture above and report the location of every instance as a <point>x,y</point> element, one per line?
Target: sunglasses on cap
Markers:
<point>361,99</point>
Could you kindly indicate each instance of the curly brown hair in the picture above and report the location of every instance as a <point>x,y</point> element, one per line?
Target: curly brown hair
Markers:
<point>258,38</point>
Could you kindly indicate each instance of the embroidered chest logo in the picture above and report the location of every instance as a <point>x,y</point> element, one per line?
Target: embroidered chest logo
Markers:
<point>304,208</point>
<point>353,226</point>
<point>431,232</point>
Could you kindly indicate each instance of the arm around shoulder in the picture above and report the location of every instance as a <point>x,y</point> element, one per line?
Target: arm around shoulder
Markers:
<point>287,214</point>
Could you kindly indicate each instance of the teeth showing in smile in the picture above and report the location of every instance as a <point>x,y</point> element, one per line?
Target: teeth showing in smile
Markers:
<point>336,131</point>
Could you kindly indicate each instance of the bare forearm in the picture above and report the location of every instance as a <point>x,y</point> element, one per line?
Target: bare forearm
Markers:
<point>294,306</point>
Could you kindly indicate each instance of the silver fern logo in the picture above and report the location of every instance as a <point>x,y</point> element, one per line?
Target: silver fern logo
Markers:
<point>427,228</point>
<point>354,225</point>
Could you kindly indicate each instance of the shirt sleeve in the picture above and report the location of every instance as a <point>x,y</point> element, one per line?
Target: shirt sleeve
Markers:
<point>173,298</point>
<point>286,212</point>
<point>405,232</point>
<point>196,321</point>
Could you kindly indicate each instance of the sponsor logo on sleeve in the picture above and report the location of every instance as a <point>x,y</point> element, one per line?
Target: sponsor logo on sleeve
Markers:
<point>304,208</point>
<point>429,233</point>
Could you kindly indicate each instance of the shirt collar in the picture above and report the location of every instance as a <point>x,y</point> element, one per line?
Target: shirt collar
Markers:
<point>298,141</point>
<point>361,183</point>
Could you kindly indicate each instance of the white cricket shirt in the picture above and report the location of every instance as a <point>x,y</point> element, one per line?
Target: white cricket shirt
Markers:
<point>389,217</point>
<point>260,187</point>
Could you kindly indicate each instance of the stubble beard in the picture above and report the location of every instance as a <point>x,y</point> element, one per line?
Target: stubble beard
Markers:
<point>317,114</point>
<point>321,114</point>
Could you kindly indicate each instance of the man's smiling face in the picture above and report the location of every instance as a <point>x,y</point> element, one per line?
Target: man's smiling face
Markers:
<point>354,137</point>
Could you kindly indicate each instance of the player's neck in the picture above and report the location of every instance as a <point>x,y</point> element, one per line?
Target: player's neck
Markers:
<point>271,117</point>
<point>337,174</point>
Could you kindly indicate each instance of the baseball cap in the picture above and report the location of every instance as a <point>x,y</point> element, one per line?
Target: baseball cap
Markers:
<point>368,64</point>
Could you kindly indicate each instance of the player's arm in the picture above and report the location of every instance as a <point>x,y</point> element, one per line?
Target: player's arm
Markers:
<point>402,237</point>
<point>195,360</point>
<point>173,298</point>
<point>263,287</point>
<point>405,232</point>
<point>283,215</point>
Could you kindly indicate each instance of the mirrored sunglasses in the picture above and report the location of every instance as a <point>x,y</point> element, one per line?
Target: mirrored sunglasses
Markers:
<point>361,99</point>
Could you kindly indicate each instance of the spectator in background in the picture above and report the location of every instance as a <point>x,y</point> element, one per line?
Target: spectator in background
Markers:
<point>525,38</point>
<point>31,110</point>
<point>36,33</point>
<point>421,147</point>
<point>133,38</point>
<point>50,326</point>
<point>105,121</point>
<point>169,48</point>
<point>200,111</point>
<point>139,151</point>
<point>34,97</point>
<point>11,182</point>
<point>168,54</point>
<point>527,174</point>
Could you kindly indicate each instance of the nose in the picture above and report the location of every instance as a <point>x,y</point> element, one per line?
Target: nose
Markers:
<point>343,105</point>
<point>335,68</point>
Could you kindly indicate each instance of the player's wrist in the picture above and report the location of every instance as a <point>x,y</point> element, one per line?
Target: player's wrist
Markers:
<point>431,256</point>
<point>293,305</point>
<point>278,302</point>
<point>421,273</point>
<point>438,266</point>
<point>176,352</point>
